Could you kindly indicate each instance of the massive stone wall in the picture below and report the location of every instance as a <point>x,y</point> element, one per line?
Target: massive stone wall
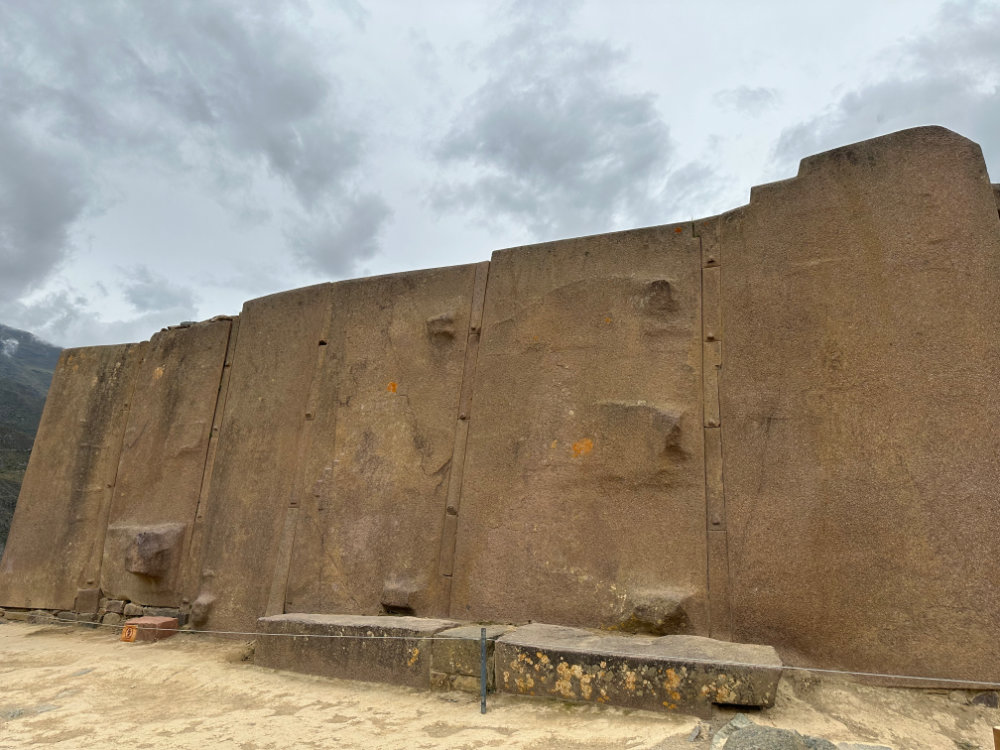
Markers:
<point>774,425</point>
<point>860,409</point>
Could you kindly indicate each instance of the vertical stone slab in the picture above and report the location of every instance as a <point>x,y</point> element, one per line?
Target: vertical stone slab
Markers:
<point>57,536</point>
<point>162,463</point>
<point>584,494</point>
<point>195,545</point>
<point>258,452</point>
<point>861,411</point>
<point>375,485</point>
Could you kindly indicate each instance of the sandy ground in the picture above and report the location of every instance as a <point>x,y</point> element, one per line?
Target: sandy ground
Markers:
<point>75,688</point>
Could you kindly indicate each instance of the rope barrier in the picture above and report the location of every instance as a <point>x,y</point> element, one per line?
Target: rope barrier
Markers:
<point>978,684</point>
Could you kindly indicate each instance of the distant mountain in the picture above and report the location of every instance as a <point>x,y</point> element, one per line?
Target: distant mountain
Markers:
<point>26,367</point>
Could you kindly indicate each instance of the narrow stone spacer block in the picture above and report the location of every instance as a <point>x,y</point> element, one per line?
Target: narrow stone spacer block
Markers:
<point>682,673</point>
<point>149,628</point>
<point>395,650</point>
<point>455,657</point>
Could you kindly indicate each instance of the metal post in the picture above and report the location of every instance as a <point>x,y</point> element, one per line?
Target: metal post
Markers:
<point>482,670</point>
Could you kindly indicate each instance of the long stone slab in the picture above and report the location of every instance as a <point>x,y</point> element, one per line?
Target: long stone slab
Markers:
<point>583,499</point>
<point>163,462</point>
<point>378,447</point>
<point>258,454</point>
<point>860,409</point>
<point>678,672</point>
<point>56,538</point>
<point>371,649</point>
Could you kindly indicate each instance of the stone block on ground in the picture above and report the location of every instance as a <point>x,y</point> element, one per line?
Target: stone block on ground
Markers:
<point>114,606</point>
<point>676,672</point>
<point>393,650</point>
<point>756,737</point>
<point>40,617</point>
<point>16,615</point>
<point>166,612</point>
<point>455,658</point>
<point>87,600</point>
<point>112,618</point>
<point>132,610</point>
<point>742,734</point>
<point>153,628</point>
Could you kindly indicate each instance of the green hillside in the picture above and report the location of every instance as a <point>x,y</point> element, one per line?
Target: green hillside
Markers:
<point>26,366</point>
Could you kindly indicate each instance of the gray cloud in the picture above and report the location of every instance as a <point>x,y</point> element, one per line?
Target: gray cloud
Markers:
<point>553,139</point>
<point>67,318</point>
<point>215,90</point>
<point>43,191</point>
<point>350,234</point>
<point>148,292</point>
<point>949,77</point>
<point>748,100</point>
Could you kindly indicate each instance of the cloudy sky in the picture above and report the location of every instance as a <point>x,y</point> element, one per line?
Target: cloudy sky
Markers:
<point>164,161</point>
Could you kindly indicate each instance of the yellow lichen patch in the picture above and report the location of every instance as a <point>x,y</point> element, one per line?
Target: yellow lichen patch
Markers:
<point>630,681</point>
<point>391,387</point>
<point>725,695</point>
<point>524,684</point>
<point>414,655</point>
<point>582,447</point>
<point>585,689</point>
<point>158,373</point>
<point>564,685</point>
<point>673,680</point>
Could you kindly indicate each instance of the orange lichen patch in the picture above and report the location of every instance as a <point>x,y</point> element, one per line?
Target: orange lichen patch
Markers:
<point>564,685</point>
<point>673,680</point>
<point>678,230</point>
<point>414,655</point>
<point>524,684</point>
<point>582,447</point>
<point>391,387</point>
<point>607,319</point>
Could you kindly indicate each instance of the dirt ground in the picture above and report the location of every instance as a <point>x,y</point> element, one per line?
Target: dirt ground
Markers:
<point>73,688</point>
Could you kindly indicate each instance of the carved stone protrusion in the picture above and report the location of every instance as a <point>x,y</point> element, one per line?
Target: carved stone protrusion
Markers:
<point>398,597</point>
<point>661,612</point>
<point>153,549</point>
<point>659,298</point>
<point>442,326</point>
<point>200,609</point>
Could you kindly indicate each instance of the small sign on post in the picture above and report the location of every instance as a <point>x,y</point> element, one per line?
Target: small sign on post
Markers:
<point>129,633</point>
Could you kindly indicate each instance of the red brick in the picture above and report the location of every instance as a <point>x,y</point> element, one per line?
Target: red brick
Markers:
<point>152,628</point>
